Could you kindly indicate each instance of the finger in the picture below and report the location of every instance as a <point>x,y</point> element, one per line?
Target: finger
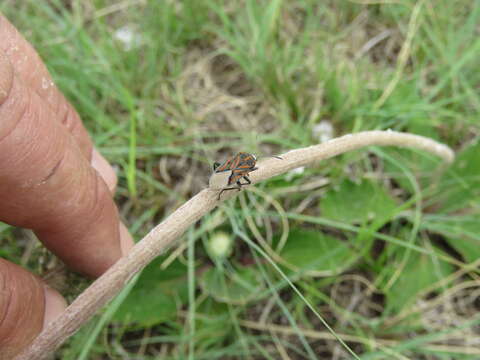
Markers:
<point>26,306</point>
<point>30,69</point>
<point>46,184</point>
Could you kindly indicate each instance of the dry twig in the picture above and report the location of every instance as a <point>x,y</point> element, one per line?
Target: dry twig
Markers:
<point>162,236</point>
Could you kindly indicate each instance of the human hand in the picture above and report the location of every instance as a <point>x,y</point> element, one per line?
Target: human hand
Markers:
<point>52,181</point>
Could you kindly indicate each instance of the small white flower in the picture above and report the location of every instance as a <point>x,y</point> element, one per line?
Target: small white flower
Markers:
<point>323,131</point>
<point>128,37</point>
<point>219,246</point>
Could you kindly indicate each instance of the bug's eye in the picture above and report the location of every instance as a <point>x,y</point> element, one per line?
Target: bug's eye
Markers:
<point>216,165</point>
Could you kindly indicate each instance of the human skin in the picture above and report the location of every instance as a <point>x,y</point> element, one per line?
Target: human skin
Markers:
<point>52,181</point>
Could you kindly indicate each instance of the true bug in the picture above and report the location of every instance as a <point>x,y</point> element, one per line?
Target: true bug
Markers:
<point>228,175</point>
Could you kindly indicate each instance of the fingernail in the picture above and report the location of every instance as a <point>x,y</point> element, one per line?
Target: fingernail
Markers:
<point>100,164</point>
<point>126,240</point>
<point>55,304</point>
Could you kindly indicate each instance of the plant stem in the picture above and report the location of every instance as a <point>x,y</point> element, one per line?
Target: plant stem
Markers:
<point>102,290</point>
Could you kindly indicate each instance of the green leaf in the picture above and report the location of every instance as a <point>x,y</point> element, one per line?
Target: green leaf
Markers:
<point>212,323</point>
<point>467,245</point>
<point>357,203</point>
<point>423,168</point>
<point>234,288</point>
<point>315,251</point>
<point>419,272</point>
<point>156,296</point>
<point>462,233</point>
<point>459,186</point>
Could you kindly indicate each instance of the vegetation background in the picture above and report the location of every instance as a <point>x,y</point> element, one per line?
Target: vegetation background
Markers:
<point>384,244</point>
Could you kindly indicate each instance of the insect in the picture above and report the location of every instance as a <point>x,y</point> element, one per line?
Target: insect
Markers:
<point>228,175</point>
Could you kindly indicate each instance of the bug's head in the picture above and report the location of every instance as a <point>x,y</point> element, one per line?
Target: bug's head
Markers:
<point>215,165</point>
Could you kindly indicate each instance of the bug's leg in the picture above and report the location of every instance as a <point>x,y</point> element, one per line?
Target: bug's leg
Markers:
<point>255,168</point>
<point>245,177</point>
<point>226,189</point>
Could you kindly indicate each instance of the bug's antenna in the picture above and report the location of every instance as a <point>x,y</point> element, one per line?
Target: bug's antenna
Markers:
<point>273,156</point>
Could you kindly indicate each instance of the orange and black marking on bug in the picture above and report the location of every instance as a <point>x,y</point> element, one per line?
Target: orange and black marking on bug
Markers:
<point>228,175</point>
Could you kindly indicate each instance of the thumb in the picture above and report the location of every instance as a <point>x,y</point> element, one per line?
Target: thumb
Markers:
<point>26,305</point>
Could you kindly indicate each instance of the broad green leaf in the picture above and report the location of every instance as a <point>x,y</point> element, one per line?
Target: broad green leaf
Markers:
<point>357,203</point>
<point>156,295</point>
<point>460,186</point>
<point>234,288</point>
<point>212,323</point>
<point>462,233</point>
<point>423,167</point>
<point>314,251</point>
<point>419,272</point>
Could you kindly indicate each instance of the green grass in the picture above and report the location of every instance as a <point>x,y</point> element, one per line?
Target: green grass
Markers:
<point>385,252</point>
